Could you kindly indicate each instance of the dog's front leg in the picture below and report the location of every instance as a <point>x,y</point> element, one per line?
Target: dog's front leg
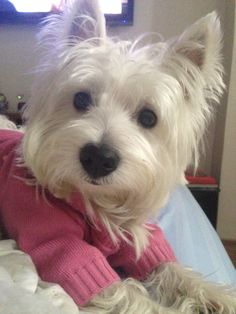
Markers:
<point>126,297</point>
<point>184,290</point>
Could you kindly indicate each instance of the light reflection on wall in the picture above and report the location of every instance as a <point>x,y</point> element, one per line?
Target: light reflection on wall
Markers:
<point>111,6</point>
<point>35,6</point>
<point>108,6</point>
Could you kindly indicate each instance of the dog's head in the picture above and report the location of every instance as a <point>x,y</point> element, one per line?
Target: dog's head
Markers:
<point>115,120</point>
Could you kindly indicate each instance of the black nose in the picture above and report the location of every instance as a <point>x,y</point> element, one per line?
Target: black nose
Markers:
<point>99,161</point>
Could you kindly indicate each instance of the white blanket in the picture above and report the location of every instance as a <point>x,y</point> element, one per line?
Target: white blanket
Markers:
<point>21,290</point>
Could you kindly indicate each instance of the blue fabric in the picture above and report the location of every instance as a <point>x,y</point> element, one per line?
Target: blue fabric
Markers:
<point>193,239</point>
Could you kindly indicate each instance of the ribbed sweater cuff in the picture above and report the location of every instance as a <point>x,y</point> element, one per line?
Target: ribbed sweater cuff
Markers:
<point>90,280</point>
<point>152,258</point>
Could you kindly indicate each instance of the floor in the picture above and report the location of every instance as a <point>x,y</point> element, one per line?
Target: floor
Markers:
<point>230,247</point>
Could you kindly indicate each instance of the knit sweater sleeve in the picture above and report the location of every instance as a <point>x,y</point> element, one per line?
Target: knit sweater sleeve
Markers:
<point>53,234</point>
<point>158,251</point>
<point>76,266</point>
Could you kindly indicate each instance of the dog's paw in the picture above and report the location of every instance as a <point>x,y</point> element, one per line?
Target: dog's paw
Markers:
<point>182,289</point>
<point>127,297</point>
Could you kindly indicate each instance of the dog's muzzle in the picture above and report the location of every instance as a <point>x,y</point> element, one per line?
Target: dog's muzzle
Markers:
<point>99,160</point>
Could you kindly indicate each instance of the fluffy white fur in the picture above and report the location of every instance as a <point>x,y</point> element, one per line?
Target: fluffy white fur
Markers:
<point>122,78</point>
<point>180,80</point>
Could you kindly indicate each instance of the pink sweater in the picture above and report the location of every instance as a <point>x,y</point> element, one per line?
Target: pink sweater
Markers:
<point>64,247</point>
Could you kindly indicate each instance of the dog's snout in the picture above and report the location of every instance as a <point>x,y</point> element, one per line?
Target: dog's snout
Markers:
<point>99,161</point>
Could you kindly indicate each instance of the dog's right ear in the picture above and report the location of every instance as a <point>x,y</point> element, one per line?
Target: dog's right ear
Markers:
<point>80,20</point>
<point>84,19</point>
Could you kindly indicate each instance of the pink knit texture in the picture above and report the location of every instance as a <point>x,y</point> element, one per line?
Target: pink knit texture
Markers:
<point>64,247</point>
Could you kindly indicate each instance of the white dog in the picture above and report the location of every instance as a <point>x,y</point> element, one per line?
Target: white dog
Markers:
<point>111,128</point>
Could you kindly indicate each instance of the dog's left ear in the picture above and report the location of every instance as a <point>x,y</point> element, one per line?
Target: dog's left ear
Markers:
<point>198,51</point>
<point>194,60</point>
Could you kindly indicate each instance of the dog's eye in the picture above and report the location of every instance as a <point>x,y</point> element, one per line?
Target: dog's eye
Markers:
<point>82,101</point>
<point>147,118</point>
